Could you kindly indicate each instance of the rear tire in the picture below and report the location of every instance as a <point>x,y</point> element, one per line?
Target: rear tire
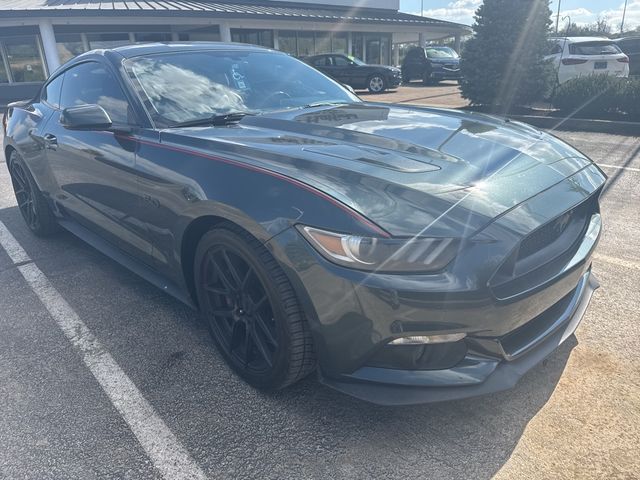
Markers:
<point>33,206</point>
<point>251,309</point>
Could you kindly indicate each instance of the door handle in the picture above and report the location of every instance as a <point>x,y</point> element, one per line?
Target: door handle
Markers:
<point>50,141</point>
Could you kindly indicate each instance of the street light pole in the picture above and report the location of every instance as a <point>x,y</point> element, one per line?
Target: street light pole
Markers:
<point>624,12</point>
<point>422,8</point>
<point>558,16</point>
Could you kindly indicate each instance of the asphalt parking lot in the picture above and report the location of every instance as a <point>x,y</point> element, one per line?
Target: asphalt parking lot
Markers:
<point>576,415</point>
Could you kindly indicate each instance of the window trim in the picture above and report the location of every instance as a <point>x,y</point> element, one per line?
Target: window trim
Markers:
<point>44,88</point>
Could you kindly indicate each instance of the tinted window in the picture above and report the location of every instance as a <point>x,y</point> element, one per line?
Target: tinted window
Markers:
<point>322,62</point>
<point>555,48</point>
<point>341,61</point>
<point>594,48</point>
<point>92,83</point>
<point>51,92</point>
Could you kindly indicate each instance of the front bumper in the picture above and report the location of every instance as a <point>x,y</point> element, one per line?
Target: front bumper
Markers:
<point>474,376</point>
<point>446,74</point>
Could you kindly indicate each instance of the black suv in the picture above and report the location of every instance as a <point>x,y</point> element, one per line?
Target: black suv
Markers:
<point>631,46</point>
<point>431,65</point>
<point>355,73</point>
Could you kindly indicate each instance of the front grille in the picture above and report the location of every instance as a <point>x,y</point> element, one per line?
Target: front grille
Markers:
<point>543,254</point>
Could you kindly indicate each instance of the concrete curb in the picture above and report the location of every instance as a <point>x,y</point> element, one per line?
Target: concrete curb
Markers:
<point>581,124</point>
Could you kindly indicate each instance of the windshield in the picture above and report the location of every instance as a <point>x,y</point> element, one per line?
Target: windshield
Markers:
<point>594,48</point>
<point>185,86</point>
<point>441,52</point>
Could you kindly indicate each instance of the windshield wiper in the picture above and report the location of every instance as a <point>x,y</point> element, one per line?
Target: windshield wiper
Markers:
<point>215,120</point>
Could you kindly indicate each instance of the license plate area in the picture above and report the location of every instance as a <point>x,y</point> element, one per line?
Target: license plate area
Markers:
<point>600,65</point>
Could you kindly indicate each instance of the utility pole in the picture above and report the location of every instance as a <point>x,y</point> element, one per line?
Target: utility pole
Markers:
<point>422,8</point>
<point>624,12</point>
<point>558,16</point>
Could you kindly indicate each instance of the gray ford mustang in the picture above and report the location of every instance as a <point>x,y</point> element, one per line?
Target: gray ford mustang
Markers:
<point>405,254</point>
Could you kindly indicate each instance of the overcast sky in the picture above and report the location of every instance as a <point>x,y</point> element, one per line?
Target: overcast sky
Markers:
<point>581,11</point>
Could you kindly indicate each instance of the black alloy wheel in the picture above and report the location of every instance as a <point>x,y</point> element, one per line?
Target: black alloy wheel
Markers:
<point>33,206</point>
<point>251,310</point>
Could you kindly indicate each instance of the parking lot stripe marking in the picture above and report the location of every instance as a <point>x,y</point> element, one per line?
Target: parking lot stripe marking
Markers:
<point>163,448</point>
<point>631,169</point>
<point>618,261</point>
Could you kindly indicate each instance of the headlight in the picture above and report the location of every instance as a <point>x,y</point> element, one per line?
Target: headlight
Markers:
<point>384,255</point>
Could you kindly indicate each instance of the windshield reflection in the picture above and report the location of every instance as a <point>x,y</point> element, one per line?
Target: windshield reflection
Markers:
<point>185,86</point>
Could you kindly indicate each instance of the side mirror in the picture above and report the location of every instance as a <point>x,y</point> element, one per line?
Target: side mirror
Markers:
<point>85,117</point>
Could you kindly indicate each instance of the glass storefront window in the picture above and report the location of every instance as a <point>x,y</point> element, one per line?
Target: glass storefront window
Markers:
<point>24,58</point>
<point>357,45</point>
<point>323,42</point>
<point>339,43</point>
<point>305,44</point>
<point>69,45</point>
<point>287,42</point>
<point>202,34</point>
<point>108,40</point>
<point>152,37</point>
<point>253,37</point>
<point>4,78</point>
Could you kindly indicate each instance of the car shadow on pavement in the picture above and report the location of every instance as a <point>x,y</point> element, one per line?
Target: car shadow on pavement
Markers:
<point>312,431</point>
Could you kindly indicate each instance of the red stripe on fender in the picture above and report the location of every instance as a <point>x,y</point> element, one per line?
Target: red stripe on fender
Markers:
<point>359,217</point>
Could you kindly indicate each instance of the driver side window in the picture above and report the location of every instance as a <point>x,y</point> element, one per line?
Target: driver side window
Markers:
<point>339,61</point>
<point>91,83</point>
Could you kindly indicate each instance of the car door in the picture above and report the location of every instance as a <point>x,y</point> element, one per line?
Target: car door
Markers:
<point>97,185</point>
<point>323,63</point>
<point>346,71</point>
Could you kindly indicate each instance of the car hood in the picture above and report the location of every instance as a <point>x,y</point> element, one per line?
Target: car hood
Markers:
<point>411,170</point>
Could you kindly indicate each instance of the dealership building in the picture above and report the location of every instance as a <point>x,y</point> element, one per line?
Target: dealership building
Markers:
<point>37,36</point>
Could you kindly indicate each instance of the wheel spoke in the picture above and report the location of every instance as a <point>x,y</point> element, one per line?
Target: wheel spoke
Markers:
<point>232,269</point>
<point>222,276</point>
<point>223,312</point>
<point>216,290</point>
<point>261,347</point>
<point>260,323</point>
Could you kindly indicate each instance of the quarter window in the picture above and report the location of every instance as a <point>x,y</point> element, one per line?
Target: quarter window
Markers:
<point>51,93</point>
<point>91,83</point>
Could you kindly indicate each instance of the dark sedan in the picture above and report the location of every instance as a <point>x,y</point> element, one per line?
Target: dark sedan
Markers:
<point>355,73</point>
<point>405,254</point>
<point>431,64</point>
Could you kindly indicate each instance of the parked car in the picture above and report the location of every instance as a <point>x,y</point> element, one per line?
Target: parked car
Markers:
<point>630,46</point>
<point>577,56</point>
<point>406,254</point>
<point>355,73</point>
<point>431,64</point>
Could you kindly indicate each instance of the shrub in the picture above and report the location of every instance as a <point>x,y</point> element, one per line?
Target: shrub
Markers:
<point>503,63</point>
<point>597,96</point>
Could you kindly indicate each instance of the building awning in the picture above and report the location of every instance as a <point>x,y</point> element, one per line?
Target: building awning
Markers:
<point>250,9</point>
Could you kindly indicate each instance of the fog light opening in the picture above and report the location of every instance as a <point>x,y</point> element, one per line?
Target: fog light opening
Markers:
<point>428,339</point>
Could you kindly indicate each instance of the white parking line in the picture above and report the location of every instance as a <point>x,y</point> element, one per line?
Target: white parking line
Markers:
<point>163,448</point>
<point>631,169</point>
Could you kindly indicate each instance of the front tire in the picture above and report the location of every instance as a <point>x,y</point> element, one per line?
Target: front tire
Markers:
<point>251,309</point>
<point>33,206</point>
<point>376,84</point>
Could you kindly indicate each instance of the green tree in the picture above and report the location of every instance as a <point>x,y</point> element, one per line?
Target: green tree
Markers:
<point>503,63</point>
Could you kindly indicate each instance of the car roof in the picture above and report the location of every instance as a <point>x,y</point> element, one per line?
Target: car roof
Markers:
<point>169,47</point>
<point>630,37</point>
<point>583,39</point>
